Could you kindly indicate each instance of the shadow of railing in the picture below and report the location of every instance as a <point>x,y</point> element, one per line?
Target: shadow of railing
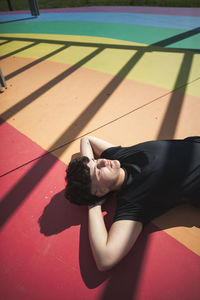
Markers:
<point>35,62</point>
<point>179,37</point>
<point>46,87</point>
<point>3,43</point>
<point>167,130</point>
<point>168,127</point>
<point>19,50</point>
<point>74,129</point>
<point>141,50</point>
<point>41,166</point>
<point>71,133</point>
<point>18,20</point>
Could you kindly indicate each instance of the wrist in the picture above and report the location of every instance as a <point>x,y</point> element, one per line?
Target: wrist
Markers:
<point>95,207</point>
<point>98,204</point>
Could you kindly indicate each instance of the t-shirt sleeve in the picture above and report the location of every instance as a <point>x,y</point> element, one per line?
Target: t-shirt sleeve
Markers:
<point>128,215</point>
<point>143,208</point>
<point>134,211</point>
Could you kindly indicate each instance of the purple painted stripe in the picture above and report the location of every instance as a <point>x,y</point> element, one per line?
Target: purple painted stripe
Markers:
<point>16,12</point>
<point>176,11</point>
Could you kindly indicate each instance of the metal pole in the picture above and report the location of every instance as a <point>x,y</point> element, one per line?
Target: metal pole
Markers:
<point>2,81</point>
<point>34,8</point>
<point>9,5</point>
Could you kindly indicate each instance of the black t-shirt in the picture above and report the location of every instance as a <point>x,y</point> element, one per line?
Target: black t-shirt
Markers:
<point>158,176</point>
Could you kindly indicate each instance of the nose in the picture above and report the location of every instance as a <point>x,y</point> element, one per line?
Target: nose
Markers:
<point>101,163</point>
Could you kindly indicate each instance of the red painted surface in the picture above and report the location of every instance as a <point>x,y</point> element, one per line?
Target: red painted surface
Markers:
<point>45,252</point>
<point>15,149</point>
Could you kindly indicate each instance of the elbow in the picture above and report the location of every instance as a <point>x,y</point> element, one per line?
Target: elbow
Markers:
<point>105,266</point>
<point>107,260</point>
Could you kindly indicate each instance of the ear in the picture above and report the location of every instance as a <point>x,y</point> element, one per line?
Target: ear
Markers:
<point>102,192</point>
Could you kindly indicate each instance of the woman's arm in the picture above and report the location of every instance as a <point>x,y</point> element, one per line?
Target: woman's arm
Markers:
<point>91,146</point>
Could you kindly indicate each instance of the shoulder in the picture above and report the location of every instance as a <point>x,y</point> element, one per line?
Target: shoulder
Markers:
<point>111,151</point>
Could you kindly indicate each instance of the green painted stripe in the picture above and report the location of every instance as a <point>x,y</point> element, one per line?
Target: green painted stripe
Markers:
<point>140,34</point>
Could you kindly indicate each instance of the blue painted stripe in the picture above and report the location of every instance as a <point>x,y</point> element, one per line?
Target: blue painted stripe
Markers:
<point>164,21</point>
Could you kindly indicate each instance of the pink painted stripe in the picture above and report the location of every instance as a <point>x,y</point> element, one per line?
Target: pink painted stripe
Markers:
<point>176,11</point>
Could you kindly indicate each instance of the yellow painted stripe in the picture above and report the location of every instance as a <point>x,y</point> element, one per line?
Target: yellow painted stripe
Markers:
<point>12,46</point>
<point>72,38</point>
<point>2,41</point>
<point>169,70</point>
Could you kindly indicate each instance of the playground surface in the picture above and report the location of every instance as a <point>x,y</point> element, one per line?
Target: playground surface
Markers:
<point>123,74</point>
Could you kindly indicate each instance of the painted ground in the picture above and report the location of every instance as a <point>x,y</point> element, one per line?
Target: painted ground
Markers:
<point>126,75</point>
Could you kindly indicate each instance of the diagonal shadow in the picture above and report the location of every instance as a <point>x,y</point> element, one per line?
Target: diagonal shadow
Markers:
<point>138,48</point>
<point>35,62</point>
<point>37,93</point>
<point>72,132</point>
<point>9,204</point>
<point>129,288</point>
<point>132,264</point>
<point>168,127</point>
<point>122,73</point>
<point>148,48</point>
<point>30,180</point>
<point>6,42</point>
<point>43,165</point>
<point>18,20</point>
<point>19,50</point>
<point>74,43</point>
<point>160,44</point>
<point>29,99</point>
<point>74,129</point>
<point>178,37</point>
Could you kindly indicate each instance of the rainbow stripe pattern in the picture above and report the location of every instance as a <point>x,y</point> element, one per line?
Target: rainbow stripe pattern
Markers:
<point>126,75</point>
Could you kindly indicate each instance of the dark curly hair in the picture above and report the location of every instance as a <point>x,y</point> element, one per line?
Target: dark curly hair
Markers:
<point>78,188</point>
